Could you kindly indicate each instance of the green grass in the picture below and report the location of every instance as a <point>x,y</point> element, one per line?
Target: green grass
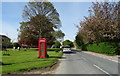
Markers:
<point>26,60</point>
<point>54,49</point>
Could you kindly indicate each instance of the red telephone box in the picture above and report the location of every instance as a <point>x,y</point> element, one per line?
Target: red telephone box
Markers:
<point>42,48</point>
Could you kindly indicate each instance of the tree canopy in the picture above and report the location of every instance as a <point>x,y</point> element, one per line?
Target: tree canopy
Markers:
<point>59,35</point>
<point>68,43</point>
<point>57,44</point>
<point>16,44</point>
<point>102,24</point>
<point>40,21</point>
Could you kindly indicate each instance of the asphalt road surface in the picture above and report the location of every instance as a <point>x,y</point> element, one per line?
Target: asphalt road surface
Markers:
<point>82,63</point>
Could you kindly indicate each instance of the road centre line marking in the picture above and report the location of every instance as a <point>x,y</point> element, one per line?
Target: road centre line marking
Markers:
<point>102,70</point>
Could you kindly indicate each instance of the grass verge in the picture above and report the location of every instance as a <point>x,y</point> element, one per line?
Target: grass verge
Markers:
<point>19,61</point>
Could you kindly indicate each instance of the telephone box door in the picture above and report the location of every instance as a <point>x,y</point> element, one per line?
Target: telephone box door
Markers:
<point>42,51</point>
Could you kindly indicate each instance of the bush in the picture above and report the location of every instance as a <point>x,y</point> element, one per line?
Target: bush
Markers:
<point>48,49</point>
<point>68,43</point>
<point>109,48</point>
<point>78,47</point>
<point>16,44</point>
<point>84,47</point>
<point>57,44</point>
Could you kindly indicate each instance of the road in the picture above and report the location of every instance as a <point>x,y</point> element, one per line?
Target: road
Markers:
<point>82,63</point>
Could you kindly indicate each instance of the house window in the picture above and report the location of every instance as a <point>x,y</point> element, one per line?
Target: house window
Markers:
<point>2,39</point>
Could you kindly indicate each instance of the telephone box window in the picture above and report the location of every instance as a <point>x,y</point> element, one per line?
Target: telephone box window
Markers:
<point>42,48</point>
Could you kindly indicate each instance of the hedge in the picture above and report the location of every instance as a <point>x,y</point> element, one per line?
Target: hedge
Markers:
<point>48,49</point>
<point>54,49</point>
<point>109,48</point>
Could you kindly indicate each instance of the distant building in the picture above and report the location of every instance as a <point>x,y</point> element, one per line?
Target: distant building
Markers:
<point>5,41</point>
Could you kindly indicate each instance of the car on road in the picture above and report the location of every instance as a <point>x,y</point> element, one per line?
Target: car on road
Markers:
<point>66,49</point>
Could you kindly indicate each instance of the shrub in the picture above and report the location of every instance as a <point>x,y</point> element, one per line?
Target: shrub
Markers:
<point>68,43</point>
<point>57,44</point>
<point>16,44</point>
<point>109,48</point>
<point>84,47</point>
<point>78,47</point>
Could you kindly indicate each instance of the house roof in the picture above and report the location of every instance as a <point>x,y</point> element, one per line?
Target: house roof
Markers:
<point>4,36</point>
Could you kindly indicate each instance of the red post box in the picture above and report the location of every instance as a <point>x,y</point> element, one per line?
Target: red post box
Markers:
<point>42,48</point>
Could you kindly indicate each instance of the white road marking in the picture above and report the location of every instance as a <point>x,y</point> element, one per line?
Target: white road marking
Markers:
<point>102,70</point>
<point>114,60</point>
